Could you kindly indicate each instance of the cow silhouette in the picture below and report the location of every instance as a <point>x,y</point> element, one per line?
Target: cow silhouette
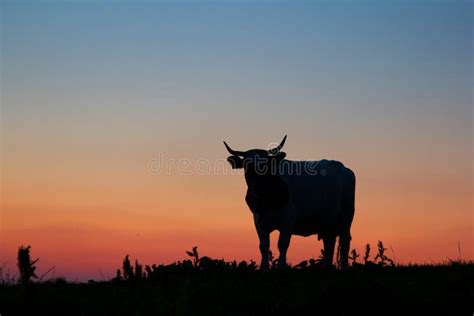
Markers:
<point>297,198</point>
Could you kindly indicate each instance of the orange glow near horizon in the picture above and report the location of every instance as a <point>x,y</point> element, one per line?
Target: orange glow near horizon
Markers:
<point>80,226</point>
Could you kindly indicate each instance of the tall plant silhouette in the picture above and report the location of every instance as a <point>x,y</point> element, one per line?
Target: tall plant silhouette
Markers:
<point>195,255</point>
<point>127,269</point>
<point>353,257</point>
<point>130,272</point>
<point>26,266</point>
<point>367,254</point>
<point>384,260</point>
<point>138,270</point>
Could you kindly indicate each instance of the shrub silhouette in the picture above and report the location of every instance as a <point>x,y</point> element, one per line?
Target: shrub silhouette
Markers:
<point>302,265</point>
<point>118,275</point>
<point>384,260</point>
<point>353,258</point>
<point>130,272</point>
<point>195,255</point>
<point>138,270</point>
<point>25,265</point>
<point>127,269</point>
<point>367,254</point>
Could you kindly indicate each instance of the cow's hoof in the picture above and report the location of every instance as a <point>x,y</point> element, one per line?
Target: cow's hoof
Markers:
<point>344,267</point>
<point>282,265</point>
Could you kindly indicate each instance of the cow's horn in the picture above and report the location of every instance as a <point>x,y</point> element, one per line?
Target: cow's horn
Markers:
<point>278,148</point>
<point>233,152</point>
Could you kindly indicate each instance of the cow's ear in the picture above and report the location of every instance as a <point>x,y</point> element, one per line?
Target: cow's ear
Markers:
<point>280,155</point>
<point>236,162</point>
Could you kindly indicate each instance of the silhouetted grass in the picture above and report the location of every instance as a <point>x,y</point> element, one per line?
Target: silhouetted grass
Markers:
<point>205,286</point>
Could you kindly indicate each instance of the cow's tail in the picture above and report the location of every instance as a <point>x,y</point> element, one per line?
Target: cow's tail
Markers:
<point>348,210</point>
<point>349,194</point>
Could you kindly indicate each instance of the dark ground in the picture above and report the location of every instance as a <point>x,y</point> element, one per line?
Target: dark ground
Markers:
<point>413,290</point>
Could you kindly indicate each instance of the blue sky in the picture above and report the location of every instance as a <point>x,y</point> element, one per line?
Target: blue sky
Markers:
<point>164,68</point>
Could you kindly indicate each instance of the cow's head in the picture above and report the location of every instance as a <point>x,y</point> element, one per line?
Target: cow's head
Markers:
<point>257,161</point>
<point>266,190</point>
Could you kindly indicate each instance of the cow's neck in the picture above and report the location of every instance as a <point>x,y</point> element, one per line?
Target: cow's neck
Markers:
<point>264,184</point>
<point>266,193</point>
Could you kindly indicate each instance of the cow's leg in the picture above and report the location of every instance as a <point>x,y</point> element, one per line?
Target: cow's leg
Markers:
<point>345,244</point>
<point>329,244</point>
<point>283,244</point>
<point>264,247</point>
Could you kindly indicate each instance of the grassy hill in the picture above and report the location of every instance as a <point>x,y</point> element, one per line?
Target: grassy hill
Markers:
<point>204,286</point>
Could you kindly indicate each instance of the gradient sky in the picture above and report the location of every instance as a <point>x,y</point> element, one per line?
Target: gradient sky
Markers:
<point>92,91</point>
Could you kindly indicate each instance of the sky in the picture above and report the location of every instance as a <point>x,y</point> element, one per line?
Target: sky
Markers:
<point>98,96</point>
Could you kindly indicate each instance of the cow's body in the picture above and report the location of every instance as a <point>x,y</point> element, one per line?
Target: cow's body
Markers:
<point>299,198</point>
<point>319,199</point>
